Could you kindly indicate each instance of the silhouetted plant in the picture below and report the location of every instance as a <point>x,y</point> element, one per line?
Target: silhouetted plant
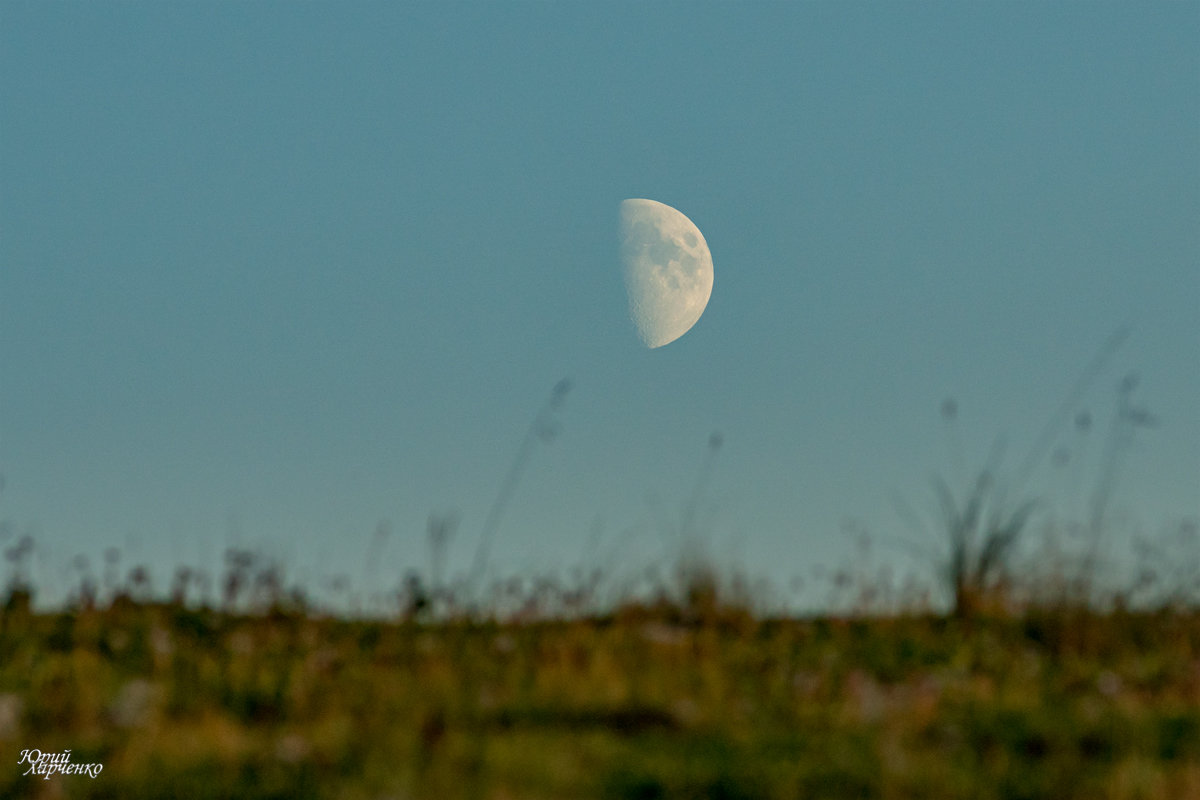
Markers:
<point>18,556</point>
<point>441,529</point>
<point>544,428</point>
<point>983,529</point>
<point>982,535</point>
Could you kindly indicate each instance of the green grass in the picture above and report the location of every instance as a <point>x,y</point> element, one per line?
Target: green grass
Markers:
<point>648,701</point>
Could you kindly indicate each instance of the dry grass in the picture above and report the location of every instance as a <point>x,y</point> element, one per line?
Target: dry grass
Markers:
<point>1034,681</point>
<point>688,694</point>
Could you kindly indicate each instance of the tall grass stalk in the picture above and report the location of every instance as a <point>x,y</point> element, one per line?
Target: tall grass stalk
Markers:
<point>544,428</point>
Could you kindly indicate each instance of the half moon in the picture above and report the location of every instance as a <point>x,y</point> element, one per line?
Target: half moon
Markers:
<point>668,270</point>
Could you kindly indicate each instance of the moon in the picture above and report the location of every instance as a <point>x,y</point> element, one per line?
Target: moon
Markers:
<point>668,270</point>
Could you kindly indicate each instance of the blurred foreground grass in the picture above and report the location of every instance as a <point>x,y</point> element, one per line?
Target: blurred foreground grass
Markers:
<point>647,701</point>
<point>1035,682</point>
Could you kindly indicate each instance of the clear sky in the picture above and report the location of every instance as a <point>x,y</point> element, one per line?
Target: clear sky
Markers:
<point>272,274</point>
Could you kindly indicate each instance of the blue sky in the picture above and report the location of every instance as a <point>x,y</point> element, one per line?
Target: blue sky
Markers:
<point>272,274</point>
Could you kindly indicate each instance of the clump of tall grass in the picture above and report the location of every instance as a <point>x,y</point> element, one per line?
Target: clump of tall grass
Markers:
<point>982,534</point>
<point>983,528</point>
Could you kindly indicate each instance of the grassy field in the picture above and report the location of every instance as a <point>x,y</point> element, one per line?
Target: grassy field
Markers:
<point>693,699</point>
